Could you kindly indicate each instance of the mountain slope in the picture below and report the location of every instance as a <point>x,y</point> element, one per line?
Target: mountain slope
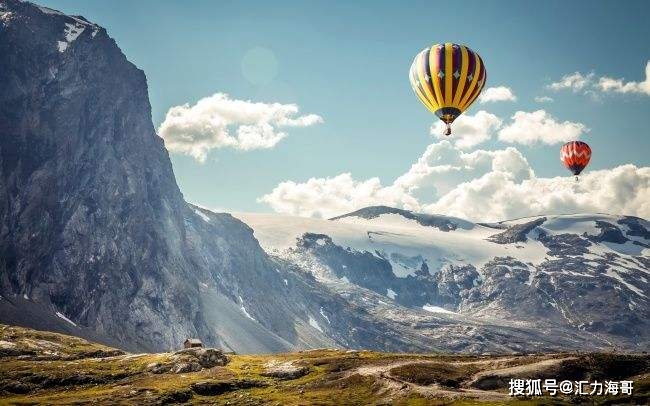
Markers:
<point>95,237</point>
<point>584,276</point>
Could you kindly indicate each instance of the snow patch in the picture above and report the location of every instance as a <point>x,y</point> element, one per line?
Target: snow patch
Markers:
<point>243,309</point>
<point>322,313</point>
<point>46,10</point>
<point>5,15</point>
<point>345,279</point>
<point>436,309</point>
<point>392,238</point>
<point>391,293</point>
<point>612,273</point>
<point>573,224</point>
<point>286,282</point>
<point>62,316</point>
<point>25,296</point>
<point>314,324</point>
<point>71,32</point>
<point>628,248</point>
<point>202,215</point>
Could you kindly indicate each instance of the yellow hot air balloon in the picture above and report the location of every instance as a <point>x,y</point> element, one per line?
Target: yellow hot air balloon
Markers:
<point>447,79</point>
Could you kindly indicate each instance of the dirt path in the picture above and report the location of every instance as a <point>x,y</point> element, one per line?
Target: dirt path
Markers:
<point>393,384</point>
<point>396,385</point>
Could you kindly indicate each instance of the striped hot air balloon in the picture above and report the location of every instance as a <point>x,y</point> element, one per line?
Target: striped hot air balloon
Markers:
<point>447,79</point>
<point>575,156</point>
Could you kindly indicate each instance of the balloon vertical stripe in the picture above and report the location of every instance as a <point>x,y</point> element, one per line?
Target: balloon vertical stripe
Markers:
<point>479,82</point>
<point>448,64</point>
<point>473,84</point>
<point>464,58</point>
<point>427,78</point>
<point>420,80</point>
<point>455,70</point>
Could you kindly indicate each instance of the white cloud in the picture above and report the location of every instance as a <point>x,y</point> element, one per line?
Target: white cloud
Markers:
<point>437,172</point>
<point>442,166</point>
<point>328,197</point>
<point>480,185</point>
<point>607,84</point>
<point>495,196</point>
<point>589,84</point>
<point>575,81</point>
<point>543,99</point>
<point>218,121</point>
<point>468,130</point>
<point>539,127</point>
<point>496,94</point>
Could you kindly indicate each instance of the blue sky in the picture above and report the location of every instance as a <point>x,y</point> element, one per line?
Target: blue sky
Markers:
<point>348,61</point>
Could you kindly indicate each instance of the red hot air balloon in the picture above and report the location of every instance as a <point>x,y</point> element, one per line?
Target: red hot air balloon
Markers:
<point>575,156</point>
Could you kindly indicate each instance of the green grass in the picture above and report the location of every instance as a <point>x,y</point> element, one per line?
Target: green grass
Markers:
<point>334,377</point>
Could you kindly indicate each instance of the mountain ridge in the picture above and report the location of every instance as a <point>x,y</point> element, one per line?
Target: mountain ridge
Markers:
<point>525,273</point>
<point>374,211</point>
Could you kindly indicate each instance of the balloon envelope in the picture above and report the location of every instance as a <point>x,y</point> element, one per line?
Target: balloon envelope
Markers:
<point>575,155</point>
<point>447,78</point>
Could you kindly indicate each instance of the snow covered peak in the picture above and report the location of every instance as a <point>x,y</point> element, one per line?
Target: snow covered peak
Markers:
<point>62,28</point>
<point>555,269</point>
<point>385,213</point>
<point>48,10</point>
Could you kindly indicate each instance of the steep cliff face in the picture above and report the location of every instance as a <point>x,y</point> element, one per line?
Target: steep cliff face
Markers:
<point>91,216</point>
<point>95,237</point>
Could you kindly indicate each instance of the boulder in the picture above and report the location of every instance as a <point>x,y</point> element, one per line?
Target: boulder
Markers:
<point>189,360</point>
<point>284,370</point>
<point>206,357</point>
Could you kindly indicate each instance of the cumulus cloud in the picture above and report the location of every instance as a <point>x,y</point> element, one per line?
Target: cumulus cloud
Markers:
<point>495,196</point>
<point>328,197</point>
<point>469,130</point>
<point>607,84</point>
<point>442,166</point>
<point>543,99</point>
<point>539,127</point>
<point>575,81</point>
<point>496,94</point>
<point>590,84</point>
<point>480,185</point>
<point>218,121</point>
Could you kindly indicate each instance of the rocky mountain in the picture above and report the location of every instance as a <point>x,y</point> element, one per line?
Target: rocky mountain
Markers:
<point>96,239</point>
<point>578,279</point>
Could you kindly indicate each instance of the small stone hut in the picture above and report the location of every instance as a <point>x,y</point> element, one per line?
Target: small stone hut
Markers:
<point>192,343</point>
